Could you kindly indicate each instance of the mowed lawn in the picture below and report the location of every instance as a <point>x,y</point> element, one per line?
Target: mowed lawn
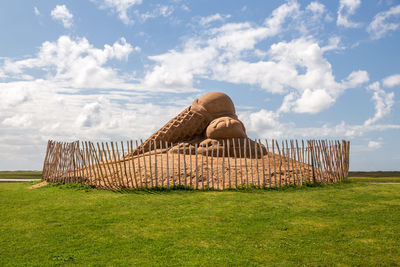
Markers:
<point>354,223</point>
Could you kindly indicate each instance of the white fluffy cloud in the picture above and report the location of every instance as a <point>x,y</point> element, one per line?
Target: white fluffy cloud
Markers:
<point>230,53</point>
<point>216,17</point>
<point>383,102</point>
<point>380,25</point>
<point>297,65</point>
<point>392,80</point>
<point>120,7</point>
<point>61,13</point>
<point>346,9</point>
<point>374,145</point>
<point>265,123</point>
<point>316,7</point>
<point>36,11</point>
<point>158,11</point>
<point>74,62</point>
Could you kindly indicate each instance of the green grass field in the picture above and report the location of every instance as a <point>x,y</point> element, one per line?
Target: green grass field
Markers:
<point>348,224</point>
<point>20,175</point>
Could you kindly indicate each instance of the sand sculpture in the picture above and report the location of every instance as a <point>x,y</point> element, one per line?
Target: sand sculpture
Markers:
<point>209,123</point>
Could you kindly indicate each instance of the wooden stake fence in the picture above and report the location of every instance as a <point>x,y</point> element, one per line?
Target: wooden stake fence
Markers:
<point>113,166</point>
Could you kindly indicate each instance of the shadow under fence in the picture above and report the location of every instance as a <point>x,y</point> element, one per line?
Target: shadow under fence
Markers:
<point>232,163</point>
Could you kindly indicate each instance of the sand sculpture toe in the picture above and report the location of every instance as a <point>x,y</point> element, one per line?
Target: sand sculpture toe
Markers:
<point>210,122</point>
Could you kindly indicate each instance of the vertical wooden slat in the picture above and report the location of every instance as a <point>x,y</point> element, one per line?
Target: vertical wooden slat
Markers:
<point>111,165</point>
<point>287,162</point>
<point>118,161</point>
<point>263,163</point>
<point>179,164</point>
<point>48,160</point>
<point>339,159</point>
<point>150,163</point>
<point>46,165</point>
<point>299,162</point>
<point>217,165</point>
<point>212,167</point>
<point>341,147</point>
<point>144,164</point>
<point>55,160</point>
<point>167,152</point>
<point>70,154</point>
<point>92,170</point>
<point>223,164</point>
<point>269,163</point>
<point>95,166</point>
<point>85,171</point>
<point>307,162</point>
<point>256,159</point>
<point>235,155</point>
<point>310,157</point>
<point>130,144</point>
<point>229,162</point>
<point>322,177</point>
<point>44,168</point>
<point>67,163</point>
<point>283,162</point>
<point>280,162</point>
<point>202,171</point>
<point>139,167</point>
<point>155,163</point>
<point>117,156</point>
<point>314,161</point>
<point>92,178</point>
<point>292,174</point>
<point>324,160</point>
<point>317,159</point>
<point>197,165</point>
<point>125,171</point>
<point>274,162</point>
<point>99,158</point>
<point>245,162</point>
<point>106,163</point>
<point>207,172</point>
<point>184,164</point>
<point>162,163</point>
<point>190,167</point>
<point>240,157</point>
<point>342,153</point>
<point>251,162</point>
<point>294,160</point>
<point>335,151</point>
<point>86,174</point>
<point>173,164</point>
<point>63,163</point>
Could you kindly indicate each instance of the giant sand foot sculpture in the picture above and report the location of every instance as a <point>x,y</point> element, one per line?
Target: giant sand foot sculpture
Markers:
<point>210,123</point>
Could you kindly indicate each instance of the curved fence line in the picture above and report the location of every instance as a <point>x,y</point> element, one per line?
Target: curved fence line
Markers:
<point>234,164</point>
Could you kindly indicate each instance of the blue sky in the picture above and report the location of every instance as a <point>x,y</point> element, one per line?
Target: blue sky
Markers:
<point>119,69</point>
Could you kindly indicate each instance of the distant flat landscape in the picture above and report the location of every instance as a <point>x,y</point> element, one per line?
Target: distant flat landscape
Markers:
<point>20,174</point>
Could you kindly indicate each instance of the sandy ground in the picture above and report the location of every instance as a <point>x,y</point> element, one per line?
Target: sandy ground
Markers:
<point>38,185</point>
